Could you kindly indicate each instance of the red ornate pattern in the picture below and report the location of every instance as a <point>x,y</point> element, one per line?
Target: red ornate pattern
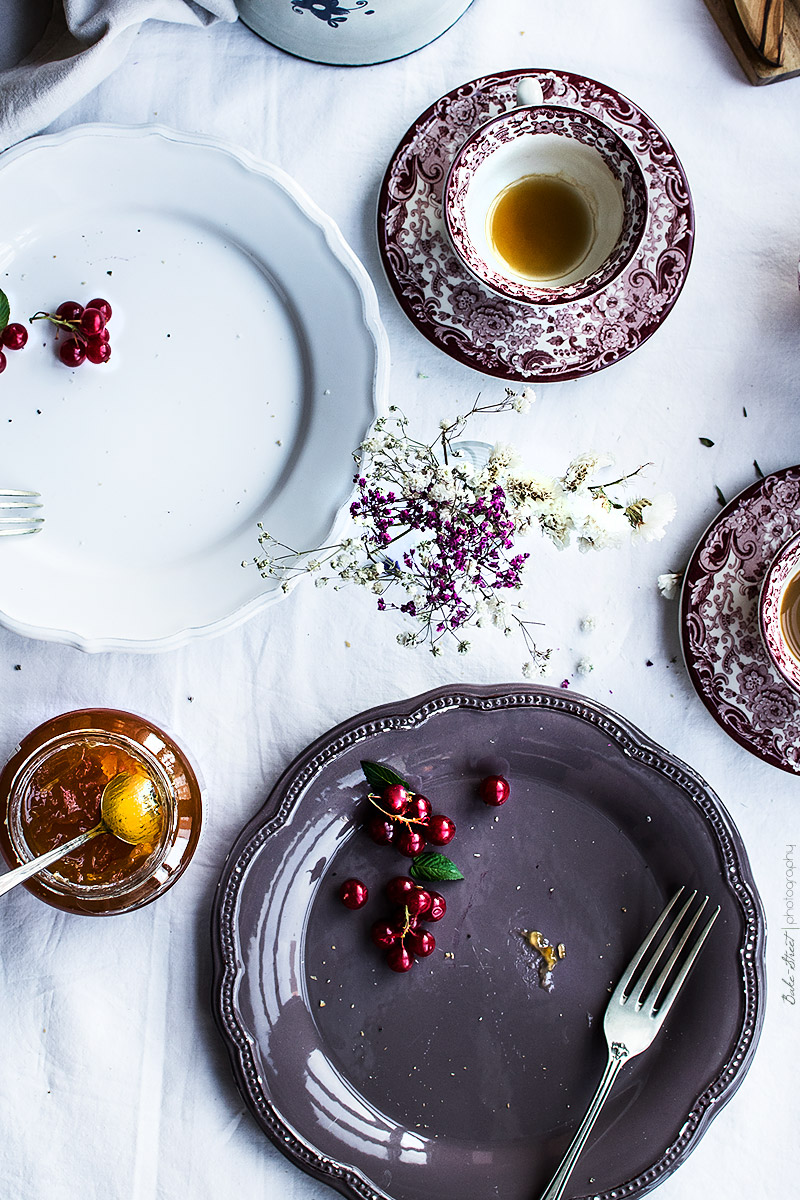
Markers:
<point>516,342</point>
<point>568,124</point>
<point>722,645</point>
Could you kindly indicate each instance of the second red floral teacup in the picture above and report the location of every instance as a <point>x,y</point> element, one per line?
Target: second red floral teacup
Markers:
<point>779,611</point>
<point>545,204</point>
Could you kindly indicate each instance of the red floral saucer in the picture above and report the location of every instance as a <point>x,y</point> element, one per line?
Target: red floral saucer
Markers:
<point>719,620</point>
<point>520,342</point>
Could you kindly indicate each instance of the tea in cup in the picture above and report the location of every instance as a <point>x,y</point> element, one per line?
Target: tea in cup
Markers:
<point>545,204</point>
<point>779,612</point>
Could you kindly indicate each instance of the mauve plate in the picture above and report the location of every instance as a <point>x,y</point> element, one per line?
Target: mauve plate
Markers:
<point>464,1077</point>
<point>722,645</point>
<point>529,343</point>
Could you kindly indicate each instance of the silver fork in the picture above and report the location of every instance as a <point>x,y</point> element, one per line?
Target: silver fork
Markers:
<point>637,1009</point>
<point>20,505</point>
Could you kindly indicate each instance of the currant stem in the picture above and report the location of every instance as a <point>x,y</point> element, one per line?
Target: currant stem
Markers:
<point>395,816</point>
<point>72,326</point>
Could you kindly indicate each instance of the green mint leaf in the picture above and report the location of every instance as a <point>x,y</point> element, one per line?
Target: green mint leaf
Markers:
<point>5,309</point>
<point>434,866</point>
<point>379,776</point>
<point>705,441</point>
<point>758,470</point>
<point>721,501</point>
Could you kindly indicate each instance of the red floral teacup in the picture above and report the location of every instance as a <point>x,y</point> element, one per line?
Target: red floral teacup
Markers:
<point>545,204</point>
<point>779,611</point>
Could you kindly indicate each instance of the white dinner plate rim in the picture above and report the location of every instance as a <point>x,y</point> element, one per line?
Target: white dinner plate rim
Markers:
<point>341,250</point>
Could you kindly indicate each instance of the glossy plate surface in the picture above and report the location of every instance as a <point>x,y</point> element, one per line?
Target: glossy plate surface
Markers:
<point>719,620</point>
<point>248,358</point>
<point>521,342</point>
<point>465,1077</point>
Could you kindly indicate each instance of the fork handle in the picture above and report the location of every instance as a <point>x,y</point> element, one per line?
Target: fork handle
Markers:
<point>617,1055</point>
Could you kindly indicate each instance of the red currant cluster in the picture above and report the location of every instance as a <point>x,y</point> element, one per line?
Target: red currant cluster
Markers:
<point>13,337</point>
<point>89,338</point>
<point>402,935</point>
<point>406,820</point>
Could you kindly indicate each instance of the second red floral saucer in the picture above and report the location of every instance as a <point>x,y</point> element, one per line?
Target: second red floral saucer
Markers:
<point>722,646</point>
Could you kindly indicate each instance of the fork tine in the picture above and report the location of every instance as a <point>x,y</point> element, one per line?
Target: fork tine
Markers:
<point>658,986</point>
<point>18,526</point>
<point>6,504</point>
<point>680,979</point>
<point>633,966</point>
<point>649,970</point>
<point>17,492</point>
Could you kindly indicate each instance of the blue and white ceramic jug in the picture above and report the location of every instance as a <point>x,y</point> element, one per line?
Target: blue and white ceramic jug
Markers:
<point>352,33</point>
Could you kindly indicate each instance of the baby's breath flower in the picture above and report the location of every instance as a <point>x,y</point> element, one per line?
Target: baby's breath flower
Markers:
<point>436,538</point>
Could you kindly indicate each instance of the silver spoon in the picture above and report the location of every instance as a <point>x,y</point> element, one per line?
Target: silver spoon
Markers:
<point>130,809</point>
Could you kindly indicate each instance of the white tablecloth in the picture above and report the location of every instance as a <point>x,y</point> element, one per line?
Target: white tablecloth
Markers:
<point>114,1082</point>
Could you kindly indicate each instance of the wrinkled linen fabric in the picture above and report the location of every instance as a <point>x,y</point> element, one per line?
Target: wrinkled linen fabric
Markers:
<point>115,1083</point>
<point>84,42</point>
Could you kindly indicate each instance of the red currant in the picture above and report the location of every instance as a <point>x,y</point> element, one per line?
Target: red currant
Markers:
<point>3,361</point>
<point>70,310</point>
<point>353,893</point>
<point>440,829</point>
<point>437,909</point>
<point>381,830</point>
<point>399,888</point>
<point>384,934</point>
<point>399,958</point>
<point>419,809</point>
<point>395,798</point>
<point>410,842</point>
<point>418,902</point>
<point>71,352</point>
<point>14,336</point>
<point>421,942</point>
<point>494,790</point>
<point>92,321</point>
<point>97,350</point>
<point>103,306</point>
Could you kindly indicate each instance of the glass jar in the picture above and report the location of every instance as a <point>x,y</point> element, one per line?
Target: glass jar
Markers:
<point>50,790</point>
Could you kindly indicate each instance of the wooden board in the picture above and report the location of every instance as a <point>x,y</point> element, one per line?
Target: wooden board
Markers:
<point>754,67</point>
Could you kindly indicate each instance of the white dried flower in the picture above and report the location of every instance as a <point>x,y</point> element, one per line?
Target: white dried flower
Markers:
<point>585,666</point>
<point>650,518</point>
<point>502,457</point>
<point>598,525</point>
<point>582,468</point>
<point>669,584</point>
<point>588,624</point>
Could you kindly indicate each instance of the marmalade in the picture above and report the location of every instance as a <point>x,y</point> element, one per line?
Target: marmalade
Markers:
<point>63,799</point>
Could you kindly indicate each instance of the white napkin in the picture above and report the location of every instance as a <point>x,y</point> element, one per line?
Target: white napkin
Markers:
<point>84,41</point>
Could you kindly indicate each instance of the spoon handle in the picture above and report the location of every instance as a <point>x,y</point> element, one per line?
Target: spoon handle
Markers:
<point>20,874</point>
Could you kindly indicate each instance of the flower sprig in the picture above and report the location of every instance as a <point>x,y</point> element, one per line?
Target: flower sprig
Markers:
<point>439,528</point>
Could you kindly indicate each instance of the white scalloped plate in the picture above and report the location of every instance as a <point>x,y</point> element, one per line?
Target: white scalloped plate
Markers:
<point>248,361</point>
